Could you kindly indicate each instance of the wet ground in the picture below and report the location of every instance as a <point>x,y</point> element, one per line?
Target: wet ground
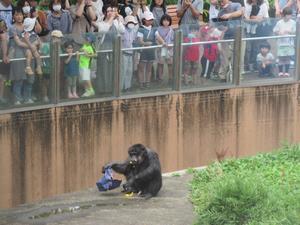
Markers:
<point>91,207</point>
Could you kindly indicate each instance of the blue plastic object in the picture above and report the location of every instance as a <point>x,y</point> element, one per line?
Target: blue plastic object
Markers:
<point>107,182</point>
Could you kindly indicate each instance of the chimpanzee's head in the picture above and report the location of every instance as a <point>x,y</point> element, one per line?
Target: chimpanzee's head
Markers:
<point>137,154</point>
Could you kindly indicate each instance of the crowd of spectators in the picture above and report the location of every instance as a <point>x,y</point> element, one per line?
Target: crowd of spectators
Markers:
<point>27,26</point>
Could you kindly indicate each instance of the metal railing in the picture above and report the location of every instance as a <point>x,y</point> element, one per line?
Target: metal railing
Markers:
<point>176,85</point>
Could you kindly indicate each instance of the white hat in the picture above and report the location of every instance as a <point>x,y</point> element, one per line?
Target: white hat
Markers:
<point>57,33</point>
<point>147,15</point>
<point>130,19</point>
<point>29,24</point>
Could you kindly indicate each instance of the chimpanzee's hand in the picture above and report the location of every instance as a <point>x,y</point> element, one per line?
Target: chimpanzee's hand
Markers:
<point>106,166</point>
<point>127,188</point>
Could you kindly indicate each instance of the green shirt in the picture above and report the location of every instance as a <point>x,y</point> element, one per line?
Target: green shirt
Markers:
<point>45,51</point>
<point>84,60</point>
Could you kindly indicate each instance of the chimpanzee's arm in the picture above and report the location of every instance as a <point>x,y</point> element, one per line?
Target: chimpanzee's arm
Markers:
<point>121,168</point>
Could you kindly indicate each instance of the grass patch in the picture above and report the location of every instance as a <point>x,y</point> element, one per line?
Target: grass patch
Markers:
<point>260,190</point>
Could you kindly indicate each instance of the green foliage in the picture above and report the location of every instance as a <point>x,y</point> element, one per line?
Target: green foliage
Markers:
<point>260,190</point>
<point>191,170</point>
<point>175,175</point>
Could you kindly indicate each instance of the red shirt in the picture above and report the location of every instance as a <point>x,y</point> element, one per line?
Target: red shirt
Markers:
<point>192,52</point>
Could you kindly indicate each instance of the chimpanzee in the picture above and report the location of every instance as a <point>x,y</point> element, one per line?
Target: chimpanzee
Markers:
<point>142,171</point>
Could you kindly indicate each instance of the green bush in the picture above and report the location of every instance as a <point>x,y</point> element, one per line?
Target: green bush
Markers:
<point>260,190</point>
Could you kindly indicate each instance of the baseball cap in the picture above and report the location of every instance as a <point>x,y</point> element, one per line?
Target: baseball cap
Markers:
<point>148,15</point>
<point>57,33</point>
<point>90,37</point>
<point>130,19</point>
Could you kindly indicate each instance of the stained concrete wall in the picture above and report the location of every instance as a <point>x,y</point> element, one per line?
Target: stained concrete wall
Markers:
<point>52,151</point>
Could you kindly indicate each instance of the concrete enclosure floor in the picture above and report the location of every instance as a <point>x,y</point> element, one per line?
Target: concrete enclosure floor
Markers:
<point>90,207</point>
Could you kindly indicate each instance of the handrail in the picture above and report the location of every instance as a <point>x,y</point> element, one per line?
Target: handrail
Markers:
<point>177,69</point>
<point>269,37</point>
<point>169,45</point>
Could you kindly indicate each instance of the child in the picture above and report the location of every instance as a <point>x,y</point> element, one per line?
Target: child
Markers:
<point>158,8</point>
<point>165,36</point>
<point>210,53</point>
<point>44,80</point>
<point>127,40</point>
<point>265,61</point>
<point>191,55</point>
<point>85,63</point>
<point>71,70</point>
<point>4,65</point>
<point>285,49</point>
<point>33,46</point>
<point>146,37</point>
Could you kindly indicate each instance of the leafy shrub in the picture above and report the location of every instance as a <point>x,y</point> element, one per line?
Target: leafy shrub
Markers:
<point>260,190</point>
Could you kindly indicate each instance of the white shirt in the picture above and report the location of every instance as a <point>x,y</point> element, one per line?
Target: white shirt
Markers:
<point>263,11</point>
<point>97,5</point>
<point>103,27</point>
<point>213,12</point>
<point>6,14</point>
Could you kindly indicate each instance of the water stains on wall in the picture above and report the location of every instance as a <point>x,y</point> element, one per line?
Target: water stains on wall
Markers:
<point>63,149</point>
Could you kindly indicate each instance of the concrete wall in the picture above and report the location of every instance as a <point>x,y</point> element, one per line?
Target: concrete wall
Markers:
<point>52,151</point>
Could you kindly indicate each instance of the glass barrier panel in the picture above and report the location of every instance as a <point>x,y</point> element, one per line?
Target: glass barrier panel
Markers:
<point>25,80</point>
<point>146,65</point>
<point>207,56</point>
<point>86,66</point>
<point>268,50</point>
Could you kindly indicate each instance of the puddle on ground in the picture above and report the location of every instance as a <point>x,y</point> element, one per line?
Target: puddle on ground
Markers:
<point>72,209</point>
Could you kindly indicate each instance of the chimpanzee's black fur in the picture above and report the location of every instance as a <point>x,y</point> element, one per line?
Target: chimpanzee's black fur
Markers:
<point>142,171</point>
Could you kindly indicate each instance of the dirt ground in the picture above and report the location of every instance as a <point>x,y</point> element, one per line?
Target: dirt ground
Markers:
<point>91,207</point>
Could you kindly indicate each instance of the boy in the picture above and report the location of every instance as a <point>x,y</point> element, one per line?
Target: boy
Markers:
<point>85,64</point>
<point>265,61</point>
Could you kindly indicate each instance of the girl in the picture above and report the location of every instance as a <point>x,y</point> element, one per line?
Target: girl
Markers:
<point>285,49</point>
<point>158,8</point>
<point>71,70</point>
<point>165,36</point>
<point>146,37</point>
<point>191,54</point>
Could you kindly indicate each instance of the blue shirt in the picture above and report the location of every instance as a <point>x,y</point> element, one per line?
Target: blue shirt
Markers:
<point>72,68</point>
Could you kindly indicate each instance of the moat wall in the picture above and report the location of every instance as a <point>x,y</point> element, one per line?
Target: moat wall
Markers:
<point>52,151</point>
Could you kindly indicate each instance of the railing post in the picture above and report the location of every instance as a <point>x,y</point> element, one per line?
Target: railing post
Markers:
<point>177,60</point>
<point>55,70</point>
<point>297,48</point>
<point>237,55</point>
<point>116,66</point>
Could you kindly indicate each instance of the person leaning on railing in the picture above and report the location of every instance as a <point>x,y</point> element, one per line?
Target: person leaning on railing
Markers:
<point>230,14</point>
